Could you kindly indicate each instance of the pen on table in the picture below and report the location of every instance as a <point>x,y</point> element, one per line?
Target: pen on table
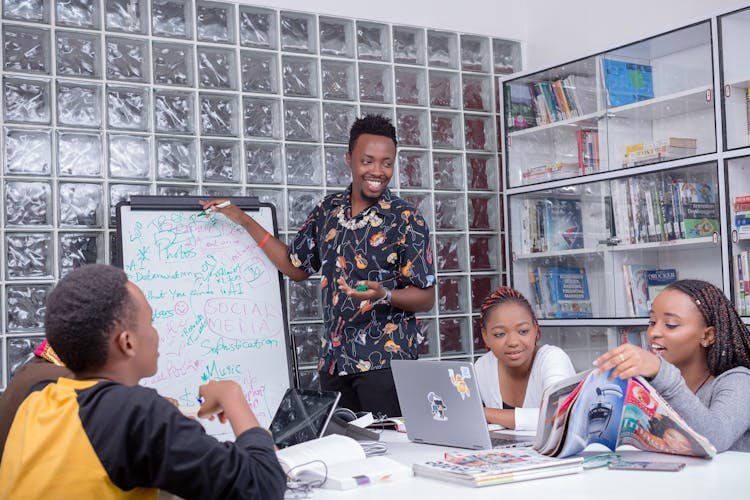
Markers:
<point>200,400</point>
<point>223,204</point>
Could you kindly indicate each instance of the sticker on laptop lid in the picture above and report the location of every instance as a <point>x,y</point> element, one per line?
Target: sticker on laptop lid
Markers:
<point>459,383</point>
<point>437,406</point>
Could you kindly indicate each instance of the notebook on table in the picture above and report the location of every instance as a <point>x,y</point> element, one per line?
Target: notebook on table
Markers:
<point>441,405</point>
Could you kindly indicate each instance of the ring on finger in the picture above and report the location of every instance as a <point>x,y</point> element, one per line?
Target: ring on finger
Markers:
<point>621,358</point>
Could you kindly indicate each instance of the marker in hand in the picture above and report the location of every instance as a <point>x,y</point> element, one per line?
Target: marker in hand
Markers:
<point>223,204</point>
<point>361,288</point>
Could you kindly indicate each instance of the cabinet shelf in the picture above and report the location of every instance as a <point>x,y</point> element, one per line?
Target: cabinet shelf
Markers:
<point>588,120</point>
<point>691,243</point>
<point>687,101</point>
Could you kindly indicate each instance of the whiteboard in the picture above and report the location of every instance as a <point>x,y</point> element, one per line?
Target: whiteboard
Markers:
<point>216,298</point>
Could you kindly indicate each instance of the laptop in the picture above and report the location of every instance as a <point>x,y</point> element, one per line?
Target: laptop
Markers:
<point>302,415</point>
<point>441,405</point>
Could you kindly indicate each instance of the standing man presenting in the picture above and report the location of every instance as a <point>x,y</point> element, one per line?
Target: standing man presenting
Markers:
<point>374,254</point>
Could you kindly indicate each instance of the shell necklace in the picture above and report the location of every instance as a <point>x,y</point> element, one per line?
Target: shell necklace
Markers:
<point>352,224</point>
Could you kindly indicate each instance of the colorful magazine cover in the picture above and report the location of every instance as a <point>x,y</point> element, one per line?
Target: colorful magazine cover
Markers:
<point>627,82</point>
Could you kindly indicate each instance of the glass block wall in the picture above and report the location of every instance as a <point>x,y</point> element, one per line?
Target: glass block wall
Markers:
<point>103,99</point>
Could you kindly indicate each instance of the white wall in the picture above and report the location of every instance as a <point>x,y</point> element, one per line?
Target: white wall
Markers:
<point>498,18</point>
<point>571,29</point>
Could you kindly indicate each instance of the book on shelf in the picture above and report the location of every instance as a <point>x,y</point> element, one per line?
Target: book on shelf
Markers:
<point>589,408</point>
<point>699,209</point>
<point>549,171</point>
<point>643,153</point>
<point>563,224</point>
<point>338,462</point>
<point>657,280</point>
<point>636,289</point>
<point>561,292</point>
<point>627,82</point>
<point>588,150</point>
<point>491,467</point>
<point>519,108</point>
<point>562,99</point>
<point>631,335</point>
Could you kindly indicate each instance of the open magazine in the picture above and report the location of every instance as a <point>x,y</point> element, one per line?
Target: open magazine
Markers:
<point>589,408</point>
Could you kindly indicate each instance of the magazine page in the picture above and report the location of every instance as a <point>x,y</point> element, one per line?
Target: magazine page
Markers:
<point>649,423</point>
<point>596,414</point>
<point>555,402</point>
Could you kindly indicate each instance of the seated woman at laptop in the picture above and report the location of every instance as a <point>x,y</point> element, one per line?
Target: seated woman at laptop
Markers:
<point>698,360</point>
<point>515,371</point>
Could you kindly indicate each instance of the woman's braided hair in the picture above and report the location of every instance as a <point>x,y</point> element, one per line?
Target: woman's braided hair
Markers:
<point>503,295</point>
<point>731,347</point>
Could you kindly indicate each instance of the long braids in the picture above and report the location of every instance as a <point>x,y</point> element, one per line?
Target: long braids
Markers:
<point>731,347</point>
<point>503,295</point>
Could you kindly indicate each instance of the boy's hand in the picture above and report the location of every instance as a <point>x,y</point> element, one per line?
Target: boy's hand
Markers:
<point>224,400</point>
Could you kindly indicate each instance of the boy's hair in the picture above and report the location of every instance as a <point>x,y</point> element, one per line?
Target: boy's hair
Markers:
<point>503,295</point>
<point>371,124</point>
<point>83,311</point>
<point>731,347</point>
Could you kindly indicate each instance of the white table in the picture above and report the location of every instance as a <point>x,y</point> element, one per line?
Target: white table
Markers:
<point>727,476</point>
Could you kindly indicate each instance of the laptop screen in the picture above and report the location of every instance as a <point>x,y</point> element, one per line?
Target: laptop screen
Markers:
<point>302,415</point>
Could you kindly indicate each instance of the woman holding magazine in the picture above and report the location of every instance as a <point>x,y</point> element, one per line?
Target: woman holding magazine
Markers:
<point>699,361</point>
<point>515,371</point>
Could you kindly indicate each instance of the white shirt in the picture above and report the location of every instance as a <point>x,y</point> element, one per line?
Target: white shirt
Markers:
<point>550,365</point>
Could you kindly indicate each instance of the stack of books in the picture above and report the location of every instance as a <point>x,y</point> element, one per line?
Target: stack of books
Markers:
<point>644,153</point>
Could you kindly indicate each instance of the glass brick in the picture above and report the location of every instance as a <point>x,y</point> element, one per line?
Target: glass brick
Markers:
<point>217,69</point>
<point>336,37</point>
<point>484,253</point>
<point>173,64</point>
<point>475,52</point>
<point>506,56</point>
<point>337,122</point>
<point>26,10</point>
<point>259,72</point>
<point>165,190</point>
<point>79,105</point>
<point>262,117</point>
<point>276,198</point>
<point>298,32</point>
<point>78,13</point>
<point>219,115</point>
<point>442,49</point>
<point>79,155</point>
<point>339,80</point>
<point>338,173</point>
<point>447,170</point>
<point>451,294</point>
<point>302,121</point>
<point>411,86</point>
<point>454,336</point>
<point>388,112</point>
<point>128,108</point>
<point>221,161</point>
<point>171,18</point>
<point>303,165</point>
<point>122,192</point>
<point>28,203</point>
<point>258,28</point>
<point>81,205</point>
<point>375,83</point>
<point>215,22</point>
<point>21,351</point>
<point>481,288</point>
<point>446,130</point>
<point>411,127</point>
<point>80,249</point>
<point>481,208</point>
<point>222,191</point>
<point>427,338</point>
<point>174,112</point>
<point>478,132</point>
<point>25,306</point>
<point>26,49</point>
<point>450,253</point>
<point>444,90</point>
<point>301,203</point>
<point>28,255</point>
<point>476,92</point>
<point>78,54</point>
<point>175,158</point>
<point>413,169</point>
<point>127,59</point>
<point>476,332</point>
<point>373,41</point>
<point>128,16</point>
<point>305,301</point>
<point>450,212</point>
<point>263,163</point>
<point>306,339</point>
<point>409,45</point>
<point>483,173</point>
<point>27,152</point>
<point>129,156</point>
<point>299,76</point>
<point>26,101</point>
